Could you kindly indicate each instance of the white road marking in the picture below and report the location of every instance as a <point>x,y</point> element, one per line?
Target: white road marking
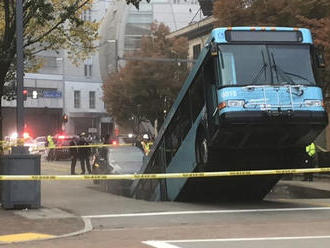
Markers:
<point>159,244</point>
<point>165,243</point>
<point>206,212</point>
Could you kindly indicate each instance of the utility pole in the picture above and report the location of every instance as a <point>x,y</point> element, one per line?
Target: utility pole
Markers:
<point>19,73</point>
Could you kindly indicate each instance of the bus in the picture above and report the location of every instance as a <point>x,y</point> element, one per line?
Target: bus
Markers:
<point>252,101</point>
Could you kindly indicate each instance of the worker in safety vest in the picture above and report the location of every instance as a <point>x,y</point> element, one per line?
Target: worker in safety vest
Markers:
<point>146,144</point>
<point>310,161</point>
<point>51,148</point>
<point>311,150</point>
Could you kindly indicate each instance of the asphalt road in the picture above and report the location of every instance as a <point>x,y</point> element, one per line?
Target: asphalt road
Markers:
<point>284,219</point>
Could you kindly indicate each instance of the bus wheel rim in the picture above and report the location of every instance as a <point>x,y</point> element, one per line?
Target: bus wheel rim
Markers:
<point>204,151</point>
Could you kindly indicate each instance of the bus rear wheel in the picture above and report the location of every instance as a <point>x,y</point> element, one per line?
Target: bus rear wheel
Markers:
<point>202,151</point>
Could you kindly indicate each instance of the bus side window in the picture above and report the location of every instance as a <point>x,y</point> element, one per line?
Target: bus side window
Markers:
<point>210,71</point>
<point>197,96</point>
<point>168,144</point>
<point>178,129</point>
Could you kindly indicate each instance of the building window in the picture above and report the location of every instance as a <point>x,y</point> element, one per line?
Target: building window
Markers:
<point>88,70</point>
<point>196,51</point>
<point>92,99</point>
<point>87,15</point>
<point>88,67</point>
<point>76,99</point>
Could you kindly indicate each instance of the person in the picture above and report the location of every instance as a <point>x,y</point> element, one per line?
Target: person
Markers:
<point>83,154</point>
<point>74,154</point>
<point>310,160</point>
<point>51,148</point>
<point>138,142</point>
<point>106,139</point>
<point>104,150</point>
<point>146,144</point>
<point>101,162</point>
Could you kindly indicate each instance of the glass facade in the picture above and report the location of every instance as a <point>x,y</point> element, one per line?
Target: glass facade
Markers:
<point>173,13</point>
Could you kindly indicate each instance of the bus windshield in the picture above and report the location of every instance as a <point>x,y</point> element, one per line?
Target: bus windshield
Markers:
<point>265,64</point>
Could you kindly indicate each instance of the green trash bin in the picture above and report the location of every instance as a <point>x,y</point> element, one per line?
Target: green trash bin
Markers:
<point>20,194</point>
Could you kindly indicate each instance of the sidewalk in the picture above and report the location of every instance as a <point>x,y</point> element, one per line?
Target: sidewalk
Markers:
<point>32,224</point>
<point>44,223</point>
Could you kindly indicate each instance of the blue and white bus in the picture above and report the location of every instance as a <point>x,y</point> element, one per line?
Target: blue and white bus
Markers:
<point>251,101</point>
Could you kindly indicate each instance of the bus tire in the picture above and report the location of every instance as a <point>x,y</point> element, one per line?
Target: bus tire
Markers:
<point>201,149</point>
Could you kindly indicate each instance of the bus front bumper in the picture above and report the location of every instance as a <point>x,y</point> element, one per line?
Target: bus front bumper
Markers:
<point>269,128</point>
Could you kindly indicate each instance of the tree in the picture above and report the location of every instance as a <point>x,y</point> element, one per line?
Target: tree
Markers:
<point>135,2</point>
<point>269,12</point>
<point>321,32</point>
<point>141,88</point>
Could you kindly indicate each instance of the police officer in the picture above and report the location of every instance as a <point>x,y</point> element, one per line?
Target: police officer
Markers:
<point>51,148</point>
<point>146,144</point>
<point>83,154</point>
<point>74,154</point>
<point>310,160</point>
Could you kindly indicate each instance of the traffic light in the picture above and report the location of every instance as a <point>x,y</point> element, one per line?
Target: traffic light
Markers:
<point>65,118</point>
<point>25,93</point>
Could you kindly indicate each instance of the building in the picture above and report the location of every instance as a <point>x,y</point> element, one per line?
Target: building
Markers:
<point>42,114</point>
<point>124,26</point>
<point>83,95</point>
<point>197,35</point>
<point>62,88</point>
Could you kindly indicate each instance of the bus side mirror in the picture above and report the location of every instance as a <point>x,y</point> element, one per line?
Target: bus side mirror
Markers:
<point>320,57</point>
<point>214,49</point>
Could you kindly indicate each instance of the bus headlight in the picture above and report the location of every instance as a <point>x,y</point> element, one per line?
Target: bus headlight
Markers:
<point>313,103</point>
<point>235,103</point>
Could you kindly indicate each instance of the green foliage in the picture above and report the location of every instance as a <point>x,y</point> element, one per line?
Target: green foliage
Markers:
<point>140,88</point>
<point>135,2</point>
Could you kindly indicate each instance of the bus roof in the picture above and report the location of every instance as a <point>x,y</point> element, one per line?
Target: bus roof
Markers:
<point>262,34</point>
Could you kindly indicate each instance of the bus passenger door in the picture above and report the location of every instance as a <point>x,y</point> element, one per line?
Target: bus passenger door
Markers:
<point>210,82</point>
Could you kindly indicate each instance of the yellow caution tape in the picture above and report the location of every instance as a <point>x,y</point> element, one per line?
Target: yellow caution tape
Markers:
<point>37,148</point>
<point>162,175</point>
<point>93,145</point>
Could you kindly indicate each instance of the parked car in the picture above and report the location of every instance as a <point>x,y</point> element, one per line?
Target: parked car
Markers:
<point>61,153</point>
<point>30,143</point>
<point>40,143</point>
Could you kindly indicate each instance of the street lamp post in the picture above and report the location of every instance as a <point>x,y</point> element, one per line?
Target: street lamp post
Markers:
<point>138,118</point>
<point>61,59</point>
<point>19,73</point>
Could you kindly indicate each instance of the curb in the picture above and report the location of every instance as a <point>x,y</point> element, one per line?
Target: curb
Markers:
<point>87,228</point>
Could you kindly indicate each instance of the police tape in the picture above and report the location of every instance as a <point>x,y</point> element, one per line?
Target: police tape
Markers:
<point>162,175</point>
<point>87,146</point>
<point>37,148</point>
